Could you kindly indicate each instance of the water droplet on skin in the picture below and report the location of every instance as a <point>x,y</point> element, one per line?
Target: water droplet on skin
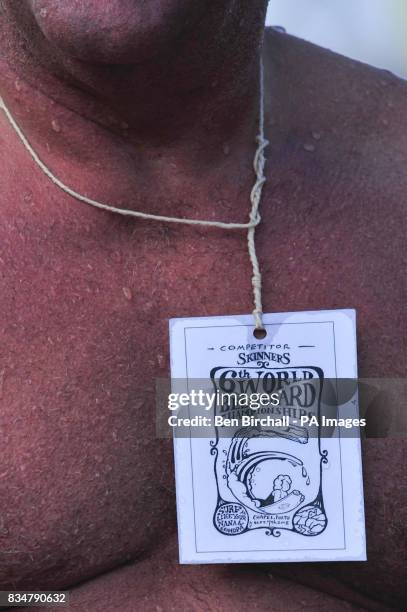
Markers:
<point>309,147</point>
<point>43,13</point>
<point>55,126</point>
<point>316,135</point>
<point>127,293</point>
<point>17,85</point>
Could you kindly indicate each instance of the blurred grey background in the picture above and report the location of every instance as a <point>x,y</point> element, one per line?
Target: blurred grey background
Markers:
<point>373,31</point>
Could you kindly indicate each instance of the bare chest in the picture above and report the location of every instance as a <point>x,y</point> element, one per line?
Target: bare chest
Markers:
<point>85,301</point>
<point>95,292</point>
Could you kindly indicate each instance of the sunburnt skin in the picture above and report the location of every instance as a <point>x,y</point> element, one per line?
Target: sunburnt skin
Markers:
<point>86,296</point>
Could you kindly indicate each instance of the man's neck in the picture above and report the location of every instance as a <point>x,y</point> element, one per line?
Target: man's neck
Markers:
<point>184,122</point>
<point>204,86</point>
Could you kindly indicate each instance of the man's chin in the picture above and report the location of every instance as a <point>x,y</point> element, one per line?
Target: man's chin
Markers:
<point>114,31</point>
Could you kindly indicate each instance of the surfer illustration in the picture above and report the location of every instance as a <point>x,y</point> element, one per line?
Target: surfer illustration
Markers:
<point>270,478</point>
<point>247,474</point>
<point>281,487</point>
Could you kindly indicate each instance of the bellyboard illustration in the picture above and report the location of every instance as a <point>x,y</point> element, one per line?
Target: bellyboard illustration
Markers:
<point>270,478</point>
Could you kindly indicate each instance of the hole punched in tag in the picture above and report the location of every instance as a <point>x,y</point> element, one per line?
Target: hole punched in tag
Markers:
<point>259,334</point>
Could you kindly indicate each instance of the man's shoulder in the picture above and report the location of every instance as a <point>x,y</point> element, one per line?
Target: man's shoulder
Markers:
<point>332,77</point>
<point>338,117</point>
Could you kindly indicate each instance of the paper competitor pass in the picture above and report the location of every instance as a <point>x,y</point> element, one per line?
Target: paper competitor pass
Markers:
<point>273,480</point>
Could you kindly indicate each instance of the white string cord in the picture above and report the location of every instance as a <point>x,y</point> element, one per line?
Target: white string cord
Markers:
<point>259,164</point>
<point>255,198</point>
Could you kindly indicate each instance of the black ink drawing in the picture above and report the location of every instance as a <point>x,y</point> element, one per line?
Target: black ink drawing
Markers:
<point>271,478</point>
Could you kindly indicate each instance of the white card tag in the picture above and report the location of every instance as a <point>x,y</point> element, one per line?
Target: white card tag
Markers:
<point>282,488</point>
